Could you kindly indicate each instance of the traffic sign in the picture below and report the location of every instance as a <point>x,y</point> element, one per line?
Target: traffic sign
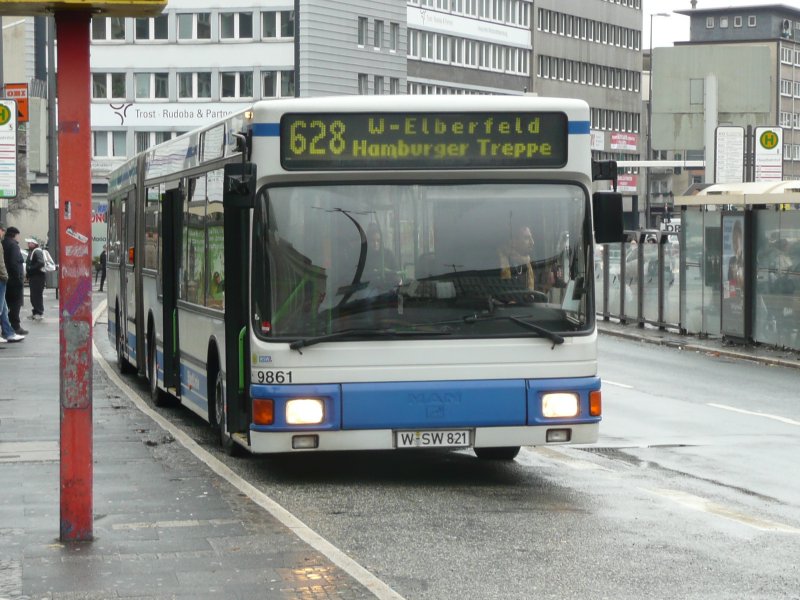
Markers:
<point>8,149</point>
<point>769,154</point>
<point>729,163</point>
<point>19,92</point>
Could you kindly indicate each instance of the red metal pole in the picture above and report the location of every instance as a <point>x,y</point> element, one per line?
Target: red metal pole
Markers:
<point>75,279</point>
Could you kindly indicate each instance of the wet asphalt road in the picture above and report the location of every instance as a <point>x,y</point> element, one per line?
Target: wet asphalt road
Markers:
<point>691,492</point>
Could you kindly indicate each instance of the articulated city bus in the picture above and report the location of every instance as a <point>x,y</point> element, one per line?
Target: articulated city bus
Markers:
<point>368,273</point>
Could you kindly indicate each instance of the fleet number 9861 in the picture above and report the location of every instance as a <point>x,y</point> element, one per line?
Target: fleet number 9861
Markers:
<point>274,376</point>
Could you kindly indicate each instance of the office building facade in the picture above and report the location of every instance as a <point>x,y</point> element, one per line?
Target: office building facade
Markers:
<point>154,78</point>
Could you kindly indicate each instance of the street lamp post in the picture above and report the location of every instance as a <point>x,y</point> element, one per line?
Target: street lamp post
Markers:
<point>650,121</point>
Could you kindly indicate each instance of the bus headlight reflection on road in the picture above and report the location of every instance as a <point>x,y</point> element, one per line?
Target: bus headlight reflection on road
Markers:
<point>304,411</point>
<point>559,404</point>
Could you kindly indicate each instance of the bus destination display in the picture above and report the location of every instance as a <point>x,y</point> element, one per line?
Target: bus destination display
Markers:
<point>353,141</point>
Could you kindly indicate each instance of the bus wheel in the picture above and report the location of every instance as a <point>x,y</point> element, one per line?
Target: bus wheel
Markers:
<point>506,453</point>
<point>230,447</point>
<point>122,363</point>
<point>158,396</point>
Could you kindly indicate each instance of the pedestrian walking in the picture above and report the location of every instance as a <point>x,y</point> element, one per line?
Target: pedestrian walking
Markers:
<point>102,268</point>
<point>7,333</point>
<point>35,265</point>
<point>15,265</point>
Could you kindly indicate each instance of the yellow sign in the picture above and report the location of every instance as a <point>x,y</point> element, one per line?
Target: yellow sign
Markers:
<point>768,140</point>
<point>5,114</point>
<point>120,8</point>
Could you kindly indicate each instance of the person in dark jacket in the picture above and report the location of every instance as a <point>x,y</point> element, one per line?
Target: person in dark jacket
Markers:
<point>15,265</point>
<point>7,333</point>
<point>102,268</point>
<point>35,264</point>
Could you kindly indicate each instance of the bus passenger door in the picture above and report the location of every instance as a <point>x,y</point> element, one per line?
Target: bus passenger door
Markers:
<point>128,277</point>
<point>171,221</point>
<point>238,200</point>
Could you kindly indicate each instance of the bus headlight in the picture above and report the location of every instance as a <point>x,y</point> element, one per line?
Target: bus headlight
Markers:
<point>560,404</point>
<point>305,411</point>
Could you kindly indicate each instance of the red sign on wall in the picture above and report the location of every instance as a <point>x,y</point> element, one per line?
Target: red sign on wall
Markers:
<point>19,92</point>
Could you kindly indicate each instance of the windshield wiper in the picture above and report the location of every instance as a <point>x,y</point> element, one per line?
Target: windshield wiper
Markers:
<point>544,332</point>
<point>363,332</point>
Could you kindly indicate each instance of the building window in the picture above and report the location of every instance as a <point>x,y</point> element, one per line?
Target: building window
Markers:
<point>277,24</point>
<point>394,85</point>
<point>147,139</point>
<point>362,31</point>
<point>236,26</point>
<point>709,22</point>
<point>787,54</point>
<point>377,85</point>
<point>236,84</point>
<point>287,23</point>
<point>737,21</point>
<point>378,34</point>
<point>152,86</point>
<point>751,21</point>
<point>273,81</point>
<point>723,22</point>
<point>363,84</point>
<point>394,36</point>
<point>108,29</point>
<point>152,28</point>
<point>108,143</point>
<point>194,26</point>
<point>287,83</point>
<point>108,86</point>
<point>194,85</point>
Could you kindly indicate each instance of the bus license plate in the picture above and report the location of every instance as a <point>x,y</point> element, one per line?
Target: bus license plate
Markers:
<point>433,439</point>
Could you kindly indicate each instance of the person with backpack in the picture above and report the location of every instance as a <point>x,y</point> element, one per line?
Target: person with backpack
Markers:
<point>35,264</point>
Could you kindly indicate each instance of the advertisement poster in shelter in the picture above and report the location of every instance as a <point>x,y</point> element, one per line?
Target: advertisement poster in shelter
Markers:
<point>733,275</point>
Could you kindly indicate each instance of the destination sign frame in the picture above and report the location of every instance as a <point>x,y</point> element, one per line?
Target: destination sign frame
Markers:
<point>345,141</point>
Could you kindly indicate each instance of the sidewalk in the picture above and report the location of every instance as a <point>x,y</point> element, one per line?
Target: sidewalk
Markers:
<point>165,524</point>
<point>712,346</point>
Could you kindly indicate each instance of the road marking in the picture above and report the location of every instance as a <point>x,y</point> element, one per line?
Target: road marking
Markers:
<point>309,536</point>
<point>29,451</point>
<point>755,414</point>
<point>704,505</point>
<point>614,383</point>
<point>173,524</point>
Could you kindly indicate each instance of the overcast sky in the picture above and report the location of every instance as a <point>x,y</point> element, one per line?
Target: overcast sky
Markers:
<point>675,28</point>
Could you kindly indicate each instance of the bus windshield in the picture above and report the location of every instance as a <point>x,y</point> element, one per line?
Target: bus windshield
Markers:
<point>466,260</point>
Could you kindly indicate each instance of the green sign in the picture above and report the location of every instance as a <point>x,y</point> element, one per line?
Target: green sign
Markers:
<point>487,140</point>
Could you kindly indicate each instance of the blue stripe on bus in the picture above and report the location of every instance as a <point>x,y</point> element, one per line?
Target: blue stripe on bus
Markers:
<point>266,129</point>
<point>194,386</point>
<point>579,128</point>
<point>429,404</point>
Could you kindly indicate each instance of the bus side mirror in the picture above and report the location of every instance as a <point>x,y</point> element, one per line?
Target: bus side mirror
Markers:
<point>608,223</point>
<point>239,189</point>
